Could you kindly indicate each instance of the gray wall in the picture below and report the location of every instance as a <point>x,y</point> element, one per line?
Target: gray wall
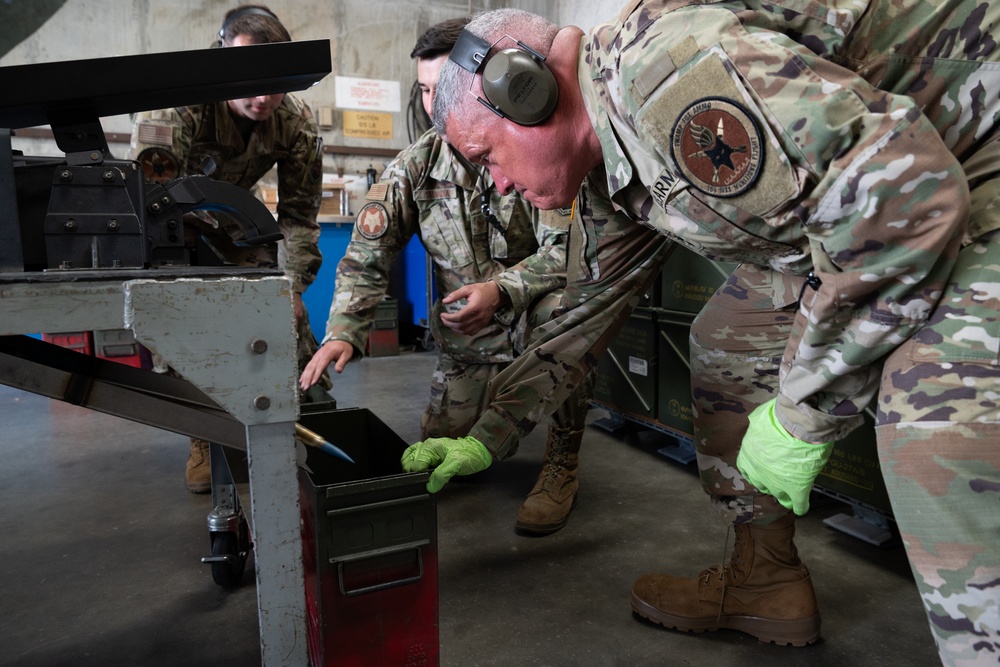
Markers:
<point>369,39</point>
<point>588,13</point>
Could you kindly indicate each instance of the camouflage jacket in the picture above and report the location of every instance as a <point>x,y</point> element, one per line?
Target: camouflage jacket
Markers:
<point>428,192</point>
<point>839,137</point>
<point>289,138</point>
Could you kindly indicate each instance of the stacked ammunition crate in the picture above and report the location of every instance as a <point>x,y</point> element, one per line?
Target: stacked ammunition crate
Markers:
<point>383,337</point>
<point>645,374</point>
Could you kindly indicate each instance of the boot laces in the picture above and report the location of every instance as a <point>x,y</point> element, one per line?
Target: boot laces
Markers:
<point>724,572</point>
<point>555,463</point>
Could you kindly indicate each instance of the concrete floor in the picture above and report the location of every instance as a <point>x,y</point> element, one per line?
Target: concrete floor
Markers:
<point>100,548</point>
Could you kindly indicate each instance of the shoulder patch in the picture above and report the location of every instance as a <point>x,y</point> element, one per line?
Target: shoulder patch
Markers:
<point>684,121</point>
<point>372,221</point>
<point>158,165</point>
<point>717,145</point>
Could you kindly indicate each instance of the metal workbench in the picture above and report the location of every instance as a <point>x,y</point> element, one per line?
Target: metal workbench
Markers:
<point>89,245</point>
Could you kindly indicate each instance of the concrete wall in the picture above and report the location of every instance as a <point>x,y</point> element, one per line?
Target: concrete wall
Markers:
<point>588,13</point>
<point>369,39</point>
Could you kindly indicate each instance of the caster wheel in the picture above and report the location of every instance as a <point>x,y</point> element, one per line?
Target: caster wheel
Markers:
<point>229,572</point>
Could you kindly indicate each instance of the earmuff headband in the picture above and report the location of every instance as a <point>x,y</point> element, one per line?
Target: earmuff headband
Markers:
<point>516,82</point>
<point>469,51</point>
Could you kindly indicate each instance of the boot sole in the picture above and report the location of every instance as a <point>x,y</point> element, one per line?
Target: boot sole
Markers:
<point>798,632</point>
<point>539,529</point>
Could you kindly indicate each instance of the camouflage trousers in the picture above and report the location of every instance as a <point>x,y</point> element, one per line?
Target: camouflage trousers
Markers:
<point>937,432</point>
<point>458,396</point>
<point>571,414</point>
<point>460,393</point>
<point>563,343</point>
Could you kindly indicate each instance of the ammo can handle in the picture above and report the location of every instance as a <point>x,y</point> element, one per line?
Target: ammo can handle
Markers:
<point>388,584</point>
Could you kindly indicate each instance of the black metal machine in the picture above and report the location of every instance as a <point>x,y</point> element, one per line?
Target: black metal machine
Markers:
<point>87,210</point>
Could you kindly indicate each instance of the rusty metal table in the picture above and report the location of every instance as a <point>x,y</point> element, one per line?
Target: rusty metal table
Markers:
<point>232,339</point>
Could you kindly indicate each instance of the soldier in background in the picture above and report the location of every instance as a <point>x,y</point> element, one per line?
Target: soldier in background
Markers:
<point>245,138</point>
<point>509,261</point>
<point>847,155</point>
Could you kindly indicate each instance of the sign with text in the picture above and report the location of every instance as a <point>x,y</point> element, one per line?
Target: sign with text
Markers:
<point>367,125</point>
<point>367,94</point>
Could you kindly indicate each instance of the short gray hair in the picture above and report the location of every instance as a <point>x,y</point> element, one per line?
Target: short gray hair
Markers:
<point>452,92</point>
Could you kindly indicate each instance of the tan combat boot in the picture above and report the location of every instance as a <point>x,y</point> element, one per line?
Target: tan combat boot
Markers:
<point>547,507</point>
<point>764,591</point>
<point>199,469</point>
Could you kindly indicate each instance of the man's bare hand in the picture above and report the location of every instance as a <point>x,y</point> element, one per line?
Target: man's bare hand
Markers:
<point>337,352</point>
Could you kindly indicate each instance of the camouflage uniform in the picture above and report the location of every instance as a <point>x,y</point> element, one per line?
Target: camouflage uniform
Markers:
<point>428,192</point>
<point>846,154</point>
<point>611,260</point>
<point>289,139</point>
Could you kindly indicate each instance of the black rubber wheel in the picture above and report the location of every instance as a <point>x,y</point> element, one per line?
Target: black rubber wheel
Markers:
<point>225,574</point>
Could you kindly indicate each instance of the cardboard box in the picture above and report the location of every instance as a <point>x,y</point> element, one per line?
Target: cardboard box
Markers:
<point>269,195</point>
<point>334,201</point>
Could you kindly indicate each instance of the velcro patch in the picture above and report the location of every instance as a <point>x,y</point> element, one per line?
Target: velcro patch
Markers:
<point>157,134</point>
<point>372,221</point>
<point>436,193</point>
<point>745,163</point>
<point>377,192</point>
<point>652,76</point>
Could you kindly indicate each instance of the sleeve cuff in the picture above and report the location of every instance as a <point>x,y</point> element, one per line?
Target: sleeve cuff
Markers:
<point>505,313</point>
<point>811,425</point>
<point>496,434</point>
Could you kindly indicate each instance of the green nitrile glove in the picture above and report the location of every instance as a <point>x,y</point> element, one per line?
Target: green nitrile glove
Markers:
<point>448,457</point>
<point>778,463</point>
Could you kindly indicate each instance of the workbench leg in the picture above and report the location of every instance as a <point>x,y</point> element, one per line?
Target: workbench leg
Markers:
<point>277,538</point>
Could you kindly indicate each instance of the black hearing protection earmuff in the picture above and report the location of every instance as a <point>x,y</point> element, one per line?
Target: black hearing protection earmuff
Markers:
<point>238,14</point>
<point>517,83</point>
